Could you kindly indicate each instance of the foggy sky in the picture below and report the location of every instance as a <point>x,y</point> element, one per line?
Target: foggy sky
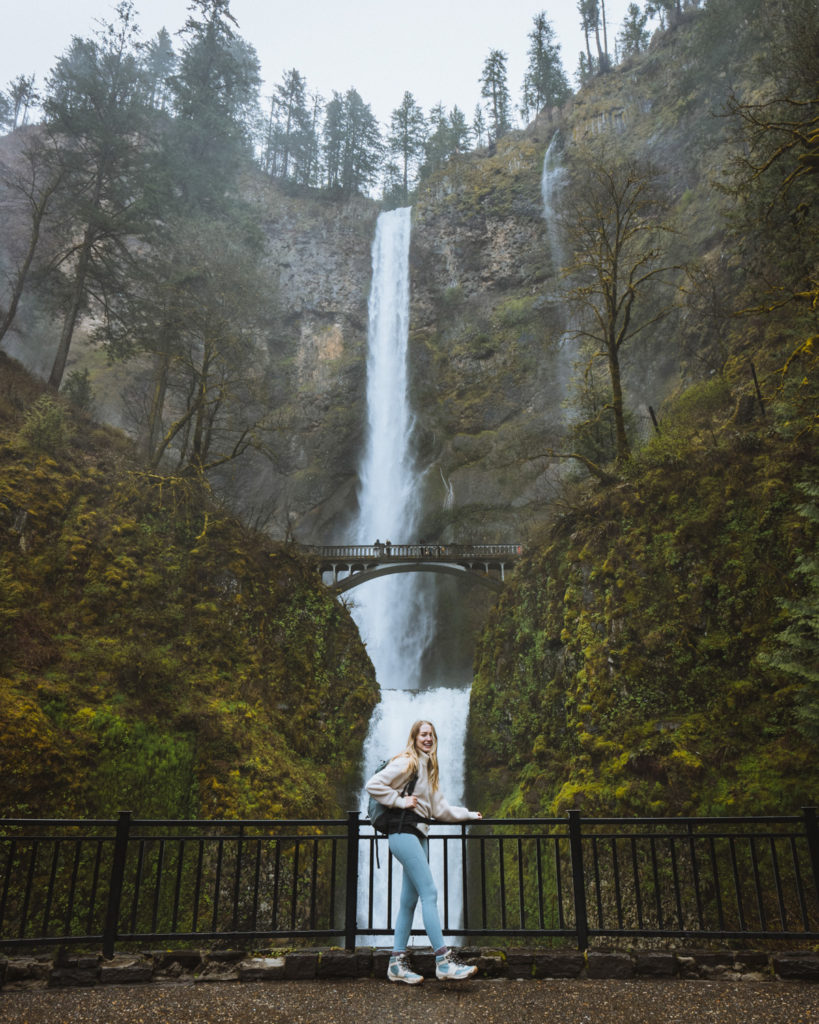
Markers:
<point>432,48</point>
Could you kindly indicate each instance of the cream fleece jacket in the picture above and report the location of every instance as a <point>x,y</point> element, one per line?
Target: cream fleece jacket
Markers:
<point>385,786</point>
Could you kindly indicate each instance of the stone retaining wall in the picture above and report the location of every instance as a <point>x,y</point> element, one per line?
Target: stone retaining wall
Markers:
<point>189,965</point>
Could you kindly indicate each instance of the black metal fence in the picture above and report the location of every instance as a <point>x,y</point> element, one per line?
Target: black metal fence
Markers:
<point>112,882</point>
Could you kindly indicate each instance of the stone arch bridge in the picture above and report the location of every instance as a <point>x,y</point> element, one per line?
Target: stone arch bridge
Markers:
<point>350,565</point>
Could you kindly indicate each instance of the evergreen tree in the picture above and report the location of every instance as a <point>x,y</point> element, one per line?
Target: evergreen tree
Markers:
<point>351,143</point>
<point>797,651</point>
<point>545,83</point>
<point>593,20</point>
<point>633,37</point>
<point>159,61</point>
<point>406,138</point>
<point>215,101</point>
<point>495,91</point>
<point>22,95</point>
<point>294,125</point>
<point>479,126</point>
<point>95,114</point>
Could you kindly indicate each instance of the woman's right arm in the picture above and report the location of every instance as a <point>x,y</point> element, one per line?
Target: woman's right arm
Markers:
<point>384,785</point>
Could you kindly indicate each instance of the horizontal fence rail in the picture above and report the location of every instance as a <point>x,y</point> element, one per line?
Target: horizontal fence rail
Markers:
<point>109,882</point>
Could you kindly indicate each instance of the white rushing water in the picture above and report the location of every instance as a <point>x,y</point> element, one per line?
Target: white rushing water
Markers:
<point>551,183</point>
<point>394,614</point>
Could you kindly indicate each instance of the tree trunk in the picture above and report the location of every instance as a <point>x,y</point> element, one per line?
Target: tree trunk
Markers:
<point>71,317</point>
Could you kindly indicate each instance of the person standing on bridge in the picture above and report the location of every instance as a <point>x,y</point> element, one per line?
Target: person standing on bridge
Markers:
<point>409,845</point>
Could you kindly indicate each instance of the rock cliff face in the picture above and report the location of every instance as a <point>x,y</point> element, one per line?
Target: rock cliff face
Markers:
<point>491,364</point>
<point>319,254</point>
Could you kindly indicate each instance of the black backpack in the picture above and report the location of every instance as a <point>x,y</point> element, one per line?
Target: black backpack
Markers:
<point>378,813</point>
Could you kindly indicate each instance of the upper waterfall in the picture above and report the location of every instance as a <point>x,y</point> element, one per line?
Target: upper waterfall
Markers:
<point>395,622</point>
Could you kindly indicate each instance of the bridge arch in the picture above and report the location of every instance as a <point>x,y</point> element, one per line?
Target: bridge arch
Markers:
<point>357,578</point>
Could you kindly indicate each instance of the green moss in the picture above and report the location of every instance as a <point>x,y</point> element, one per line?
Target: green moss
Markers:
<point>159,656</point>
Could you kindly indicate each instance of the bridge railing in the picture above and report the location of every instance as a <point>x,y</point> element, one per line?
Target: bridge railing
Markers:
<point>114,882</point>
<point>421,550</point>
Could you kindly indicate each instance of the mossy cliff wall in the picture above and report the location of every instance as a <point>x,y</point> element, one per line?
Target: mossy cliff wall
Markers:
<point>155,654</point>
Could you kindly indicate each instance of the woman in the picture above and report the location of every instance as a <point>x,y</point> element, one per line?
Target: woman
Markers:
<point>409,845</point>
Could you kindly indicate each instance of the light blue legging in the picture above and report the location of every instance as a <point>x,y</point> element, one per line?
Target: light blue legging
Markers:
<point>411,852</point>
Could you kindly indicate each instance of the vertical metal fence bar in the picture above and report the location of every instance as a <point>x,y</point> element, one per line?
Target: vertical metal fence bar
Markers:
<point>123,829</point>
<point>277,858</point>
<point>160,870</point>
<point>390,872</point>
<point>581,923</point>
<point>95,881</point>
<point>618,897</point>
<point>675,874</point>
<point>333,869</point>
<point>760,900</point>
<point>655,874</point>
<point>137,885</point>
<point>32,864</point>
<point>351,902</point>
<point>464,879</point>
<point>197,885</point>
<point>52,878</point>
<point>217,883</point>
<point>294,896</point>
<point>257,875</point>
<point>561,917</point>
<point>502,882</point>
<point>445,863</point>
<point>72,888</point>
<point>237,878</point>
<point>12,853</point>
<point>373,849</point>
<point>635,870</point>
<point>737,885</point>
<point>800,886</point>
<point>177,889</point>
<point>695,874</point>
<point>483,881</point>
<point>716,880</point>
<point>812,835</point>
<point>314,883</point>
<point>521,886</point>
<point>780,896</point>
<point>598,895</point>
<point>539,881</point>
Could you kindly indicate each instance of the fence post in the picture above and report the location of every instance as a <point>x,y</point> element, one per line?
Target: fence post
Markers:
<point>115,886</point>
<point>351,903</point>
<point>578,880</point>
<point>812,835</point>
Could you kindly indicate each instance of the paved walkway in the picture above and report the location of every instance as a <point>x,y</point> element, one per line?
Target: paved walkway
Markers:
<point>367,1001</point>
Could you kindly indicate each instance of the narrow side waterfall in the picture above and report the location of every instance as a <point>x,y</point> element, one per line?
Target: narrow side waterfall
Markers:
<point>396,614</point>
<point>551,181</point>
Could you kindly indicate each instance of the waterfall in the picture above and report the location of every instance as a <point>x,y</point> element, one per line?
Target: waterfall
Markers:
<point>551,182</point>
<point>396,614</point>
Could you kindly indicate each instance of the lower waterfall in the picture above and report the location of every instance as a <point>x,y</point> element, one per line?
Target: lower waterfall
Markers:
<point>396,614</point>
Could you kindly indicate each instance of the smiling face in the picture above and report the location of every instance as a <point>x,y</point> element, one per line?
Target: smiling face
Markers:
<point>425,739</point>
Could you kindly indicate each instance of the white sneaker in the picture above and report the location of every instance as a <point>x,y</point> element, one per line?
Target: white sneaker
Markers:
<point>449,968</point>
<point>400,970</point>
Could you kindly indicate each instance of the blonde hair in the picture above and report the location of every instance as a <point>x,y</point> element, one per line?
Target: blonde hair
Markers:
<point>411,752</point>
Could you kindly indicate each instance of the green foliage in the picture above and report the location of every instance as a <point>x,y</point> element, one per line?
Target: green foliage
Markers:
<point>797,645</point>
<point>45,427</point>
<point>160,657</point>
<point>78,390</point>
<point>625,669</point>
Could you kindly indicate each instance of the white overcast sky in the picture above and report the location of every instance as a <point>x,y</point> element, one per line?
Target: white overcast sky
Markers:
<point>433,48</point>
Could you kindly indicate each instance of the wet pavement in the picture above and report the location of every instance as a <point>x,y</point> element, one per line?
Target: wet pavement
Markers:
<point>369,1001</point>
